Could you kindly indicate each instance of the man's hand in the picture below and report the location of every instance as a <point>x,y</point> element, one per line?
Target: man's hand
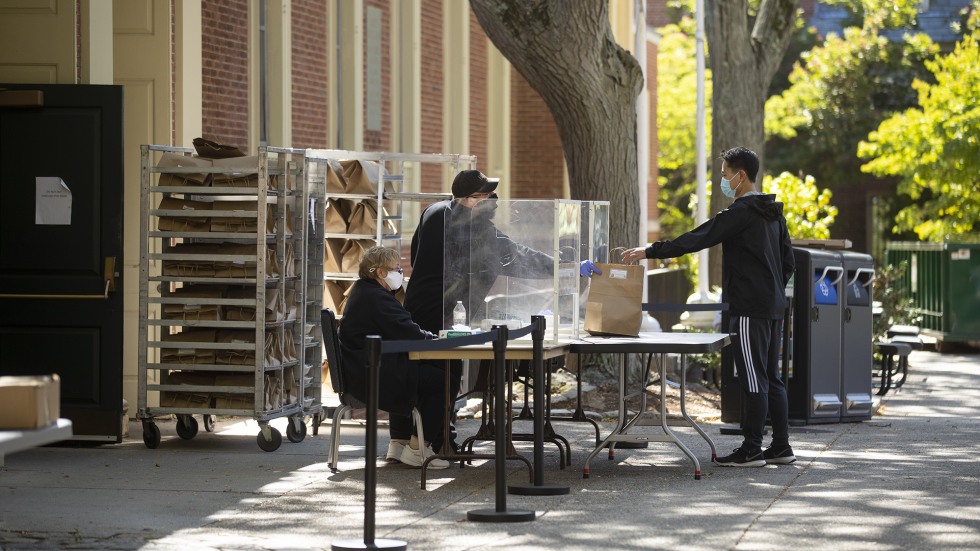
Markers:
<point>586,268</point>
<point>633,255</point>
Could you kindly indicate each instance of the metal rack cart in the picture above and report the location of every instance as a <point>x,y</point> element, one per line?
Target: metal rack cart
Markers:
<point>225,326</point>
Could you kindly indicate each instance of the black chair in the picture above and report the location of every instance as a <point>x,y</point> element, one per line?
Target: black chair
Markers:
<point>331,344</point>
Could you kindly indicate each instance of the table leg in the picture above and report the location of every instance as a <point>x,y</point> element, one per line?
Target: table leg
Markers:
<point>662,367</point>
<point>619,423</point>
<point>714,451</point>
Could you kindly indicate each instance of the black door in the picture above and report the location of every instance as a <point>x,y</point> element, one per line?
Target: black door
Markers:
<point>61,304</point>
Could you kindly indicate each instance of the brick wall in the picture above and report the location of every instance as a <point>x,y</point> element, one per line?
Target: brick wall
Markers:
<point>309,68</point>
<point>537,160</point>
<point>224,71</point>
<point>431,91</point>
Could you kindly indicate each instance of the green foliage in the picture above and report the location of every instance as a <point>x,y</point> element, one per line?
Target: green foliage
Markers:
<point>896,307</point>
<point>807,209</point>
<point>878,14</point>
<point>934,149</point>
<point>676,131</point>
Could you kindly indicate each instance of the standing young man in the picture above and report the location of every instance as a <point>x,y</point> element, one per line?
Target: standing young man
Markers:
<point>757,263</point>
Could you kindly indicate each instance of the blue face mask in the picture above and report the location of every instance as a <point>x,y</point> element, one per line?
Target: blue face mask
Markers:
<point>726,188</point>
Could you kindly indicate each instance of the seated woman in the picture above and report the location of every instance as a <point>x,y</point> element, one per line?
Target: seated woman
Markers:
<point>372,309</point>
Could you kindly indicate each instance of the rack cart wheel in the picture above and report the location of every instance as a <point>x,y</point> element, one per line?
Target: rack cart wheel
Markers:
<point>269,438</point>
<point>151,434</point>
<point>208,422</point>
<point>316,424</point>
<point>186,427</point>
<point>296,429</point>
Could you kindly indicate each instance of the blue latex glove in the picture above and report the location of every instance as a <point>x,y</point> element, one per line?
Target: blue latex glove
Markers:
<point>586,268</point>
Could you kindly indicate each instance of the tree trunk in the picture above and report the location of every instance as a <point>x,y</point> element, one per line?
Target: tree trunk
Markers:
<point>743,61</point>
<point>566,52</point>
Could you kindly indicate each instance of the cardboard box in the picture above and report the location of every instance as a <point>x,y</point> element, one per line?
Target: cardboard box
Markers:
<point>29,402</point>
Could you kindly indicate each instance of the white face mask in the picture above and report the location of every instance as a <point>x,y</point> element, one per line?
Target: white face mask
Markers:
<point>394,280</point>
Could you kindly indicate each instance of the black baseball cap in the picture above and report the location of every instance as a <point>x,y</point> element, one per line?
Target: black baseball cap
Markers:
<point>469,182</point>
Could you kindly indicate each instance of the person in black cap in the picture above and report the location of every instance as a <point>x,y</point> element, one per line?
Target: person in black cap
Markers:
<point>450,229</point>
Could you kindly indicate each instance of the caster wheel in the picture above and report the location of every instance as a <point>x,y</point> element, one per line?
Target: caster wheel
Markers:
<point>296,436</point>
<point>209,423</point>
<point>186,427</point>
<point>269,445</point>
<point>151,435</point>
<point>316,424</point>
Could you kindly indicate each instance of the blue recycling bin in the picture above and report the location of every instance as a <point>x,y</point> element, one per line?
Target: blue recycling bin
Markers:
<point>813,383</point>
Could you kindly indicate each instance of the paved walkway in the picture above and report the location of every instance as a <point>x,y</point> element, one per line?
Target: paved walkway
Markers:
<point>907,479</point>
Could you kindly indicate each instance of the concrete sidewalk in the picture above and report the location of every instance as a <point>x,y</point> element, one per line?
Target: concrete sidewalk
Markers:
<point>907,479</point>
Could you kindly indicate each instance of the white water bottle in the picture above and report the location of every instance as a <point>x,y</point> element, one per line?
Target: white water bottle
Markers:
<point>459,314</point>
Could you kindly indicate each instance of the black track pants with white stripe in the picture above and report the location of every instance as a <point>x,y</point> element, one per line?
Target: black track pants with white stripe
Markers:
<point>755,347</point>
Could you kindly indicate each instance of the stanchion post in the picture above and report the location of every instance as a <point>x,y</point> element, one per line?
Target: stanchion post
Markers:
<point>539,488</point>
<point>373,349</point>
<point>500,513</point>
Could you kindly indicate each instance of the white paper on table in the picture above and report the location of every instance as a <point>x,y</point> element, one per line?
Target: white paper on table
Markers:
<point>52,201</point>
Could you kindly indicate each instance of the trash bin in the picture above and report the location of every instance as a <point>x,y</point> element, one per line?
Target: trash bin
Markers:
<point>942,280</point>
<point>856,337</point>
<point>814,383</point>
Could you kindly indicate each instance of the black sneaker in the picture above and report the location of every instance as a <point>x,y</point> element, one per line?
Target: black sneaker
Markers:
<point>740,458</point>
<point>779,456</point>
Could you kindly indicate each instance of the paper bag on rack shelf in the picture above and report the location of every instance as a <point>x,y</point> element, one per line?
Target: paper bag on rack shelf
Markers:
<point>337,213</point>
<point>193,313</point>
<point>333,256</point>
<point>234,224</point>
<point>236,268</point>
<point>364,219</point>
<point>361,176</point>
<point>187,353</point>
<point>613,304</point>
<point>336,183</point>
<point>353,251</point>
<point>289,305</point>
<point>333,294</point>
<point>343,301</point>
<point>273,308</point>
<point>176,160</point>
<point>235,356</point>
<point>201,263</point>
<point>245,173</point>
<point>288,346</point>
<point>289,262</point>
<point>184,223</point>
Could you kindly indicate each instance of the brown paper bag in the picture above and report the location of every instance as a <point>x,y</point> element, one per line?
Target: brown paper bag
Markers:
<point>214,150</point>
<point>272,312</point>
<point>361,176</point>
<point>199,261</point>
<point>333,294</point>
<point>352,252</point>
<point>235,356</point>
<point>289,262</point>
<point>176,160</point>
<point>235,224</point>
<point>192,313</point>
<point>364,220</point>
<point>243,173</point>
<point>335,177</point>
<point>614,303</point>
<point>335,219</point>
<point>333,256</point>
<point>188,354</point>
<point>195,223</point>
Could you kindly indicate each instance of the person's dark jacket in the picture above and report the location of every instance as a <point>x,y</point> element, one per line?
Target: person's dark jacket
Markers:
<point>373,310</point>
<point>448,230</point>
<point>757,260</point>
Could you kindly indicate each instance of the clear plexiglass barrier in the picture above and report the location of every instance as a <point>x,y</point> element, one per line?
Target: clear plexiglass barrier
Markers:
<point>509,260</point>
